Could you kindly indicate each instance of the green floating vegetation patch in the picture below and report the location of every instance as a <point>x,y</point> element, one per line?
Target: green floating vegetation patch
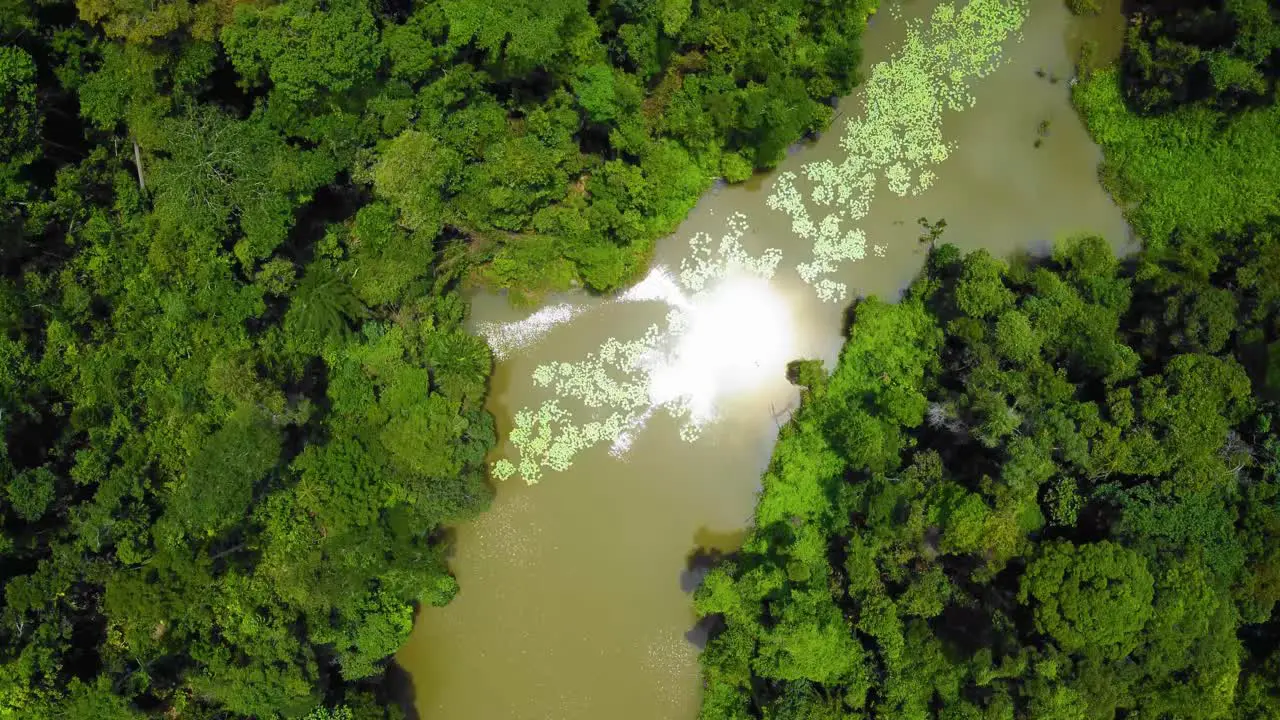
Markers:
<point>898,139</point>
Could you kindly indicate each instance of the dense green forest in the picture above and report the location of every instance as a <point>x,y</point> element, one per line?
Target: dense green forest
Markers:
<point>237,401</point>
<point>1040,489</point>
<point>1050,487</point>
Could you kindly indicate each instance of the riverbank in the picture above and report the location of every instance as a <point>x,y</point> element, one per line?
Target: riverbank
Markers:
<point>1043,487</point>
<point>240,406</point>
<point>574,590</point>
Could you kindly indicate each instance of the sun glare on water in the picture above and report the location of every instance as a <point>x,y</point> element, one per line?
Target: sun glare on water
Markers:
<point>728,331</point>
<point>731,338</point>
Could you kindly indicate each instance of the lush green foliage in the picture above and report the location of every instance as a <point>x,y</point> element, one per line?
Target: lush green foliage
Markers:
<point>238,403</point>
<point>1193,169</point>
<point>1188,118</point>
<point>220,490</point>
<point>1084,7</point>
<point>1222,52</point>
<point>1025,491</point>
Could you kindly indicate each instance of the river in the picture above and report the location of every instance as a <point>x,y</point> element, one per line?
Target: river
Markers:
<point>574,600</point>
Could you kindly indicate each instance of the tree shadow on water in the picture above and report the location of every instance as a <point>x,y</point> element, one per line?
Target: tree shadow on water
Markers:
<point>710,549</point>
<point>397,684</point>
<point>697,565</point>
<point>703,630</point>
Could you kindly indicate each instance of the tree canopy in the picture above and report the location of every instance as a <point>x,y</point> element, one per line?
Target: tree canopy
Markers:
<point>977,515</point>
<point>238,400</point>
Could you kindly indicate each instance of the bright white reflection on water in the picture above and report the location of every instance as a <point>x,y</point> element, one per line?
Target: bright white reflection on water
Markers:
<point>736,335</point>
<point>573,603</point>
<point>727,330</point>
<point>507,338</point>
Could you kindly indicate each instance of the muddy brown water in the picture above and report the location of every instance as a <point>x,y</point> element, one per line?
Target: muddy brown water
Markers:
<point>574,600</point>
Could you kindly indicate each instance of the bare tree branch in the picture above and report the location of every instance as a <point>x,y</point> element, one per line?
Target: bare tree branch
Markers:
<point>137,160</point>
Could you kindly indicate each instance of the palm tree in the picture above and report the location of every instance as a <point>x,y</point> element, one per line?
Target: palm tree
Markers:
<point>460,363</point>
<point>321,306</point>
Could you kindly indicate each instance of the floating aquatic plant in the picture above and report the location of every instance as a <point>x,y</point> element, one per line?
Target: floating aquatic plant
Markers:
<point>617,386</point>
<point>704,263</point>
<point>896,141</point>
<point>900,134</point>
<point>503,469</point>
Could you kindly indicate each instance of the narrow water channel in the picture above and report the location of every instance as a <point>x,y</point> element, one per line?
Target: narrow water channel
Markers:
<point>574,599</point>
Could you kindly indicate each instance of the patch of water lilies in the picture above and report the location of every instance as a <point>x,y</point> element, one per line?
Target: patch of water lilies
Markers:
<point>897,141</point>
<point>899,137</point>
<point>613,387</point>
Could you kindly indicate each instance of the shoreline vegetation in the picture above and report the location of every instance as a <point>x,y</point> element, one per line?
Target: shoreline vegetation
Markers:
<point>1047,488</point>
<point>239,405</point>
<point>893,146</point>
